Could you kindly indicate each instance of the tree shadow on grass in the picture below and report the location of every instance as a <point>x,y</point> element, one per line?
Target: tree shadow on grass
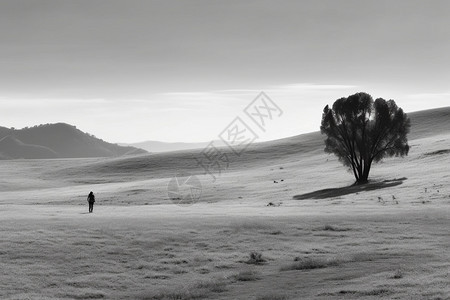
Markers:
<point>342,191</point>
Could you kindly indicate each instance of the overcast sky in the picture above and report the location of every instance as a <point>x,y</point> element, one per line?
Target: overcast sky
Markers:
<point>129,71</point>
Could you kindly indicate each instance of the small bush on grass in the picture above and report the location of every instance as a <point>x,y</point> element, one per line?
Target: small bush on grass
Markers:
<point>310,263</point>
<point>329,227</point>
<point>397,275</point>
<point>375,292</point>
<point>256,258</point>
<point>89,296</point>
<point>352,293</point>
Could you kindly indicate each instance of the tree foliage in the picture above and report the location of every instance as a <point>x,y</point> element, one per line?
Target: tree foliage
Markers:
<point>361,131</point>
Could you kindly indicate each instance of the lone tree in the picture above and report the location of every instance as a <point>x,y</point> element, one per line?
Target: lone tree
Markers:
<point>361,131</point>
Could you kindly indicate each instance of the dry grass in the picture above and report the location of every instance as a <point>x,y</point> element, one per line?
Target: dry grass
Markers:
<point>354,293</point>
<point>201,290</point>
<point>273,297</point>
<point>185,259</point>
<point>247,276</point>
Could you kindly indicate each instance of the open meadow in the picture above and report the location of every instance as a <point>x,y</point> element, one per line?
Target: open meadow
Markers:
<point>320,238</point>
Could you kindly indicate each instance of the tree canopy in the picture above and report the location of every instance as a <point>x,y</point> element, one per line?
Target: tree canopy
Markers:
<point>361,131</point>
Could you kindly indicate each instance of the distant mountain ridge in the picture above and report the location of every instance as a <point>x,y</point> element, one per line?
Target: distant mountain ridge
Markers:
<point>58,140</point>
<point>421,121</point>
<point>156,146</point>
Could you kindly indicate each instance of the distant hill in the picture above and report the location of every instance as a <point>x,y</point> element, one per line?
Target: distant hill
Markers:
<point>57,141</point>
<point>156,147</point>
<point>423,123</point>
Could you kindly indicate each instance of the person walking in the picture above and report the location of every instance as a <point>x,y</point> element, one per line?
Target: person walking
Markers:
<point>91,200</point>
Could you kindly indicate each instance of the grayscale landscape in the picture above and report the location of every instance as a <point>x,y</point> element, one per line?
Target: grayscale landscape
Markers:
<point>236,150</point>
<point>385,240</point>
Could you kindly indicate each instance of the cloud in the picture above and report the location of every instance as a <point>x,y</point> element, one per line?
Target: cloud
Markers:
<point>314,87</point>
<point>285,88</point>
<point>185,94</point>
<point>429,95</point>
<point>46,102</point>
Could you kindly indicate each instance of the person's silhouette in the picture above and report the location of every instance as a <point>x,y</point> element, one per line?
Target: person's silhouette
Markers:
<point>91,200</point>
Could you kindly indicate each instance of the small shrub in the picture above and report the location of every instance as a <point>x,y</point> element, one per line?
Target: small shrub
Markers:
<point>278,232</point>
<point>203,271</point>
<point>328,227</point>
<point>398,274</point>
<point>256,258</point>
<point>179,270</point>
<point>377,292</point>
<point>310,264</point>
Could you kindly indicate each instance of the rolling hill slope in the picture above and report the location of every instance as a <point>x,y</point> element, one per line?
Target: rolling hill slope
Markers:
<point>284,151</point>
<point>429,123</point>
<point>284,168</point>
<point>157,147</point>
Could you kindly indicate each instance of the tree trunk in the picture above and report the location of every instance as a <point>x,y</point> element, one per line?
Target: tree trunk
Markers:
<point>362,177</point>
<point>362,180</point>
